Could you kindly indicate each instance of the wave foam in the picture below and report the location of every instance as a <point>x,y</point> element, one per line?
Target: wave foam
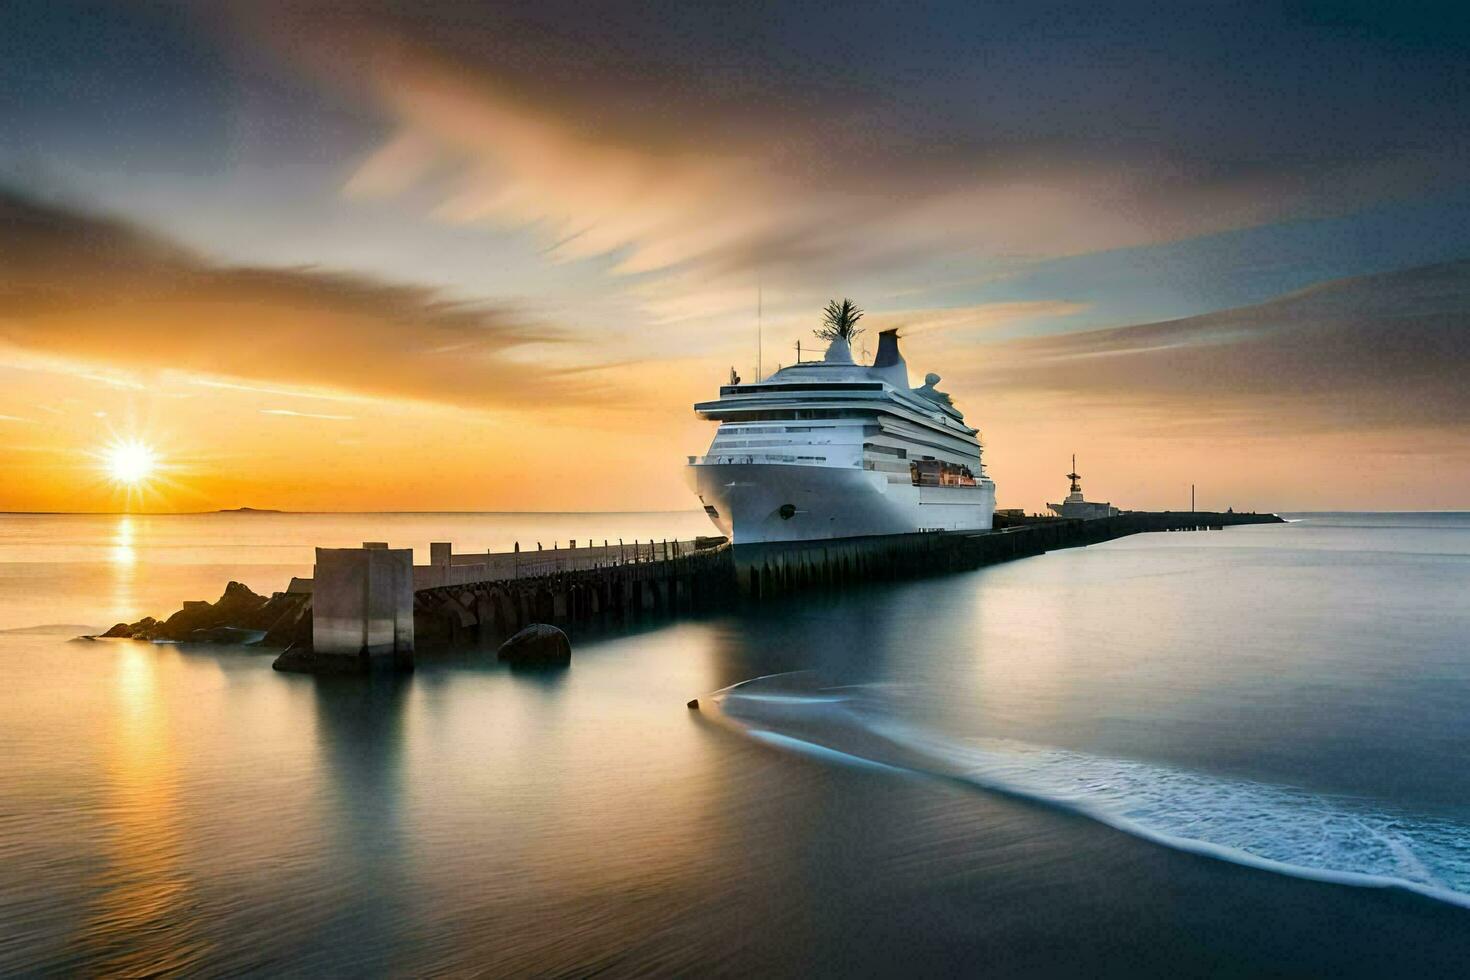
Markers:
<point>1276,828</point>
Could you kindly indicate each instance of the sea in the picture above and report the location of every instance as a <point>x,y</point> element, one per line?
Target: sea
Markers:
<point>1236,752</point>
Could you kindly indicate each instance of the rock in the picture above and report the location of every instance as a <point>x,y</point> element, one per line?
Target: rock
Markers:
<point>302,659</point>
<point>236,607</point>
<point>276,610</point>
<point>240,616</point>
<point>141,630</point>
<point>193,616</point>
<point>293,627</point>
<point>225,634</point>
<point>538,644</point>
<point>239,602</point>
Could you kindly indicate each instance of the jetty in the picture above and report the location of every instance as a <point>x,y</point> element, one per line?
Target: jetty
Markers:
<point>371,606</point>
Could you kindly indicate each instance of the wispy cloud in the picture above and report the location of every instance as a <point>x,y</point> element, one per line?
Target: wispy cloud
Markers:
<point>1390,350</point>
<point>962,322</point>
<point>267,390</point>
<point>306,415</point>
<point>97,293</point>
<point>692,148</point>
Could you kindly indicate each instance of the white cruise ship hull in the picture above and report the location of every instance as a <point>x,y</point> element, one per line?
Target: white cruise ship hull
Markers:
<point>748,499</point>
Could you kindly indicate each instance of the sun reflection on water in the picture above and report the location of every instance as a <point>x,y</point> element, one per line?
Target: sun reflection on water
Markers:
<point>123,552</point>
<point>122,561</point>
<point>139,923</point>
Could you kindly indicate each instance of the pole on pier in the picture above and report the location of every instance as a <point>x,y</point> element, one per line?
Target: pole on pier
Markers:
<point>1191,498</point>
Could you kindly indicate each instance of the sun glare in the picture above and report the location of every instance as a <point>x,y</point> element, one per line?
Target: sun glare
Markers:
<point>130,463</point>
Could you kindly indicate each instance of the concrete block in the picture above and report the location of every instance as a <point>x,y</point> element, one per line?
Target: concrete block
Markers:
<point>362,602</point>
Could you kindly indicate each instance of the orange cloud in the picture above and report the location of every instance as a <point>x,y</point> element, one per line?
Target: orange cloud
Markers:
<point>100,294</point>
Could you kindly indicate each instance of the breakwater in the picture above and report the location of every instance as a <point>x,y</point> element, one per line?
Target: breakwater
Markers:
<point>484,612</point>
<point>764,571</point>
<point>708,577</point>
<point>372,606</point>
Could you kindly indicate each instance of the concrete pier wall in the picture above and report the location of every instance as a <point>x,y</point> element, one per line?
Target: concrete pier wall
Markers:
<point>447,568</point>
<point>486,612</point>
<point>763,571</point>
<point>372,602</point>
<point>362,603</point>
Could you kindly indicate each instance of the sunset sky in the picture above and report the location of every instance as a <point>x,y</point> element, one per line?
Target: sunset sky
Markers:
<point>481,256</point>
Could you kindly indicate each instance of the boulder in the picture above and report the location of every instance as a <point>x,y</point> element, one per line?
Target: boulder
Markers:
<point>239,603</point>
<point>277,609</point>
<point>236,607</point>
<point>537,645</point>
<point>293,627</point>
<point>141,630</point>
<point>239,616</point>
<point>225,634</point>
<point>302,659</point>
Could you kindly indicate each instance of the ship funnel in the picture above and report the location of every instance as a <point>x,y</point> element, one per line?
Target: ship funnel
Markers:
<point>889,363</point>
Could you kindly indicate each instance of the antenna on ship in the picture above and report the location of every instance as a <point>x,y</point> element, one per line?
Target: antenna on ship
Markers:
<point>1073,475</point>
<point>759,375</point>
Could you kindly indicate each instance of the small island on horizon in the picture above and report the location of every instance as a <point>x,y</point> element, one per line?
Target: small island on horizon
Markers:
<point>248,510</point>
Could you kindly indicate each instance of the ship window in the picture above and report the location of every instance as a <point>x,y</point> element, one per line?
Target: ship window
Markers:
<point>936,473</point>
<point>741,415</point>
<point>780,389</point>
<point>886,450</point>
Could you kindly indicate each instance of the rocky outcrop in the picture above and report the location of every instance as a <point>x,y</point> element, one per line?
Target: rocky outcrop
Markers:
<point>539,645</point>
<point>302,659</point>
<point>140,630</point>
<point>290,623</point>
<point>239,616</point>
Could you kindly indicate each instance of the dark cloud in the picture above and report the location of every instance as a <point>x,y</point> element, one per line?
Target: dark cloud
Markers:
<point>91,290</point>
<point>1382,351</point>
<point>821,139</point>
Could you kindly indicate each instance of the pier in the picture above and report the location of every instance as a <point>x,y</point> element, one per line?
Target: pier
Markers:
<point>365,609</point>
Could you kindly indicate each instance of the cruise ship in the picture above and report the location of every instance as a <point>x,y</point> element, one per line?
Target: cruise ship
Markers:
<point>836,449</point>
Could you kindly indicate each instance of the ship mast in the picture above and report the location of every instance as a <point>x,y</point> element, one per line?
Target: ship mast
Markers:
<point>1073,475</point>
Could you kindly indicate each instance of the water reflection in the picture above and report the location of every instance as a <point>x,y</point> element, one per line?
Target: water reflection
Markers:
<point>359,737</point>
<point>139,923</point>
<point>122,542</point>
<point>122,567</point>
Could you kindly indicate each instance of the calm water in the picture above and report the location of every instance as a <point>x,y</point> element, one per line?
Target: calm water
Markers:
<point>1240,751</point>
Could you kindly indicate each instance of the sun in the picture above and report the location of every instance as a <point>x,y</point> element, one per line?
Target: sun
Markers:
<point>130,463</point>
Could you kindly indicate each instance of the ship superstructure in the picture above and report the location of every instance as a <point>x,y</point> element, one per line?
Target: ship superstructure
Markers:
<point>835,449</point>
<point>1076,506</point>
